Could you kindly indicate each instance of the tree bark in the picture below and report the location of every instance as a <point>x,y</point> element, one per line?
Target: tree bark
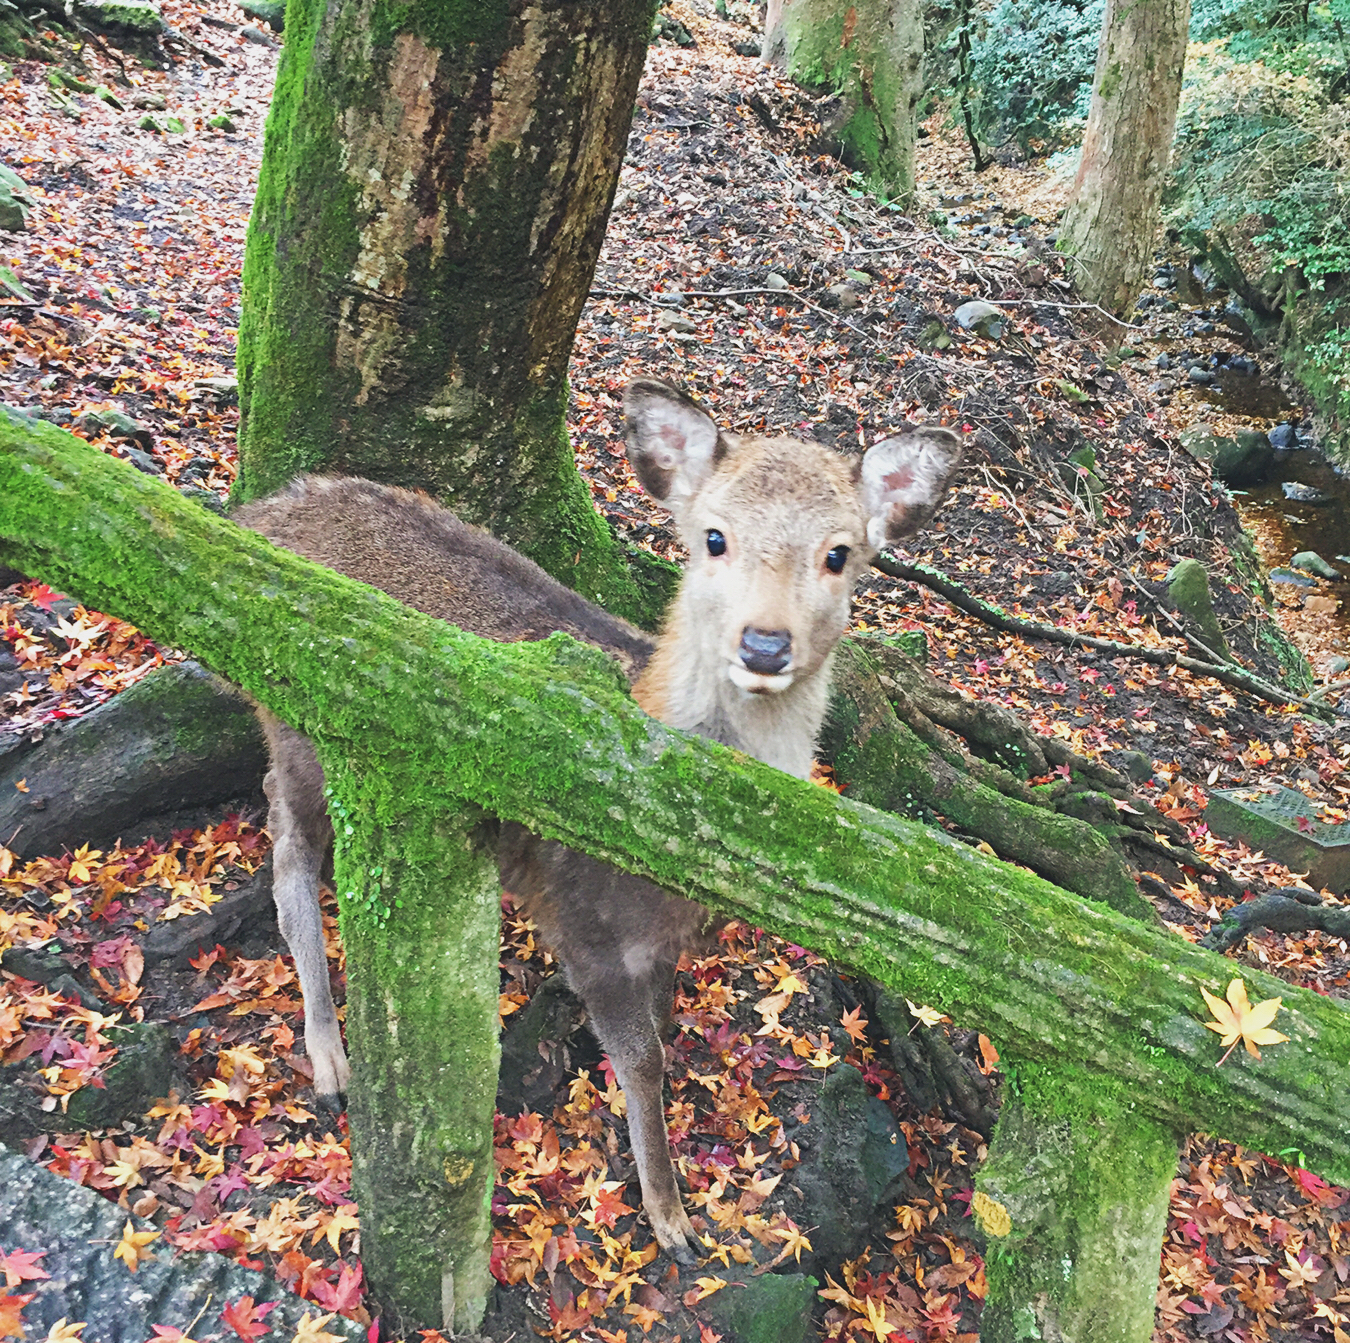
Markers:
<point>546,734</point>
<point>1112,217</point>
<point>434,190</point>
<point>871,54</point>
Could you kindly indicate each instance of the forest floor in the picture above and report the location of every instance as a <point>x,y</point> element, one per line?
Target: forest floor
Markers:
<point>839,324</point>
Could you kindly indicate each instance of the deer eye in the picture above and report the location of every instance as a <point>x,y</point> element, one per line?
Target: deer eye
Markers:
<point>836,559</point>
<point>717,543</point>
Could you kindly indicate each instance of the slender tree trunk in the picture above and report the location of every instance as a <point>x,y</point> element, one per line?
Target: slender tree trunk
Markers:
<point>433,196</point>
<point>871,54</point>
<point>1112,217</point>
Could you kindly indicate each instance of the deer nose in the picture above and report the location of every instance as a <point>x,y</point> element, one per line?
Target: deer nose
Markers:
<point>765,652</point>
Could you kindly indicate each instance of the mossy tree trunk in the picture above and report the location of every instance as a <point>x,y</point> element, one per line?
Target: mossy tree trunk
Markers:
<point>1112,217</point>
<point>420,905</point>
<point>547,735</point>
<point>871,54</point>
<point>435,184</point>
<point>1077,1185</point>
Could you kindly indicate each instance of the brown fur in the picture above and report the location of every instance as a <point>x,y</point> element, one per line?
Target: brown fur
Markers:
<point>784,511</point>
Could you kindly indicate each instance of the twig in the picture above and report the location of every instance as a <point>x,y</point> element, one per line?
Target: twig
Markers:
<point>957,596</point>
<point>1068,307</point>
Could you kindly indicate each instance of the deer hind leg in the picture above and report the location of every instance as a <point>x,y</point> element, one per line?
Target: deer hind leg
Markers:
<point>629,1015</point>
<point>301,836</point>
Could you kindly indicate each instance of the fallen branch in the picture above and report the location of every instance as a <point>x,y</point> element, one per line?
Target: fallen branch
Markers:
<point>1237,677</point>
<point>1288,911</point>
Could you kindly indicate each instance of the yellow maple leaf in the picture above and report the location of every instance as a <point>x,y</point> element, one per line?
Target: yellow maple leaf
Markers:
<point>1237,1019</point>
<point>311,1330</point>
<point>794,1242</point>
<point>131,1248</point>
<point>929,1016</point>
<point>994,1217</point>
<point>876,1319</point>
<point>61,1332</point>
<point>707,1286</point>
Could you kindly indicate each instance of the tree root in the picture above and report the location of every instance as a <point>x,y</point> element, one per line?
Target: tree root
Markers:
<point>1287,911</point>
<point>1237,677</point>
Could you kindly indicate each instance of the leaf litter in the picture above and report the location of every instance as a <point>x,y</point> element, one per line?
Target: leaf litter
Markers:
<point>733,218</point>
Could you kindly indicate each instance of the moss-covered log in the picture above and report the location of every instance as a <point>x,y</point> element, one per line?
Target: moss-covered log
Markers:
<point>433,195</point>
<point>546,734</point>
<point>869,53</point>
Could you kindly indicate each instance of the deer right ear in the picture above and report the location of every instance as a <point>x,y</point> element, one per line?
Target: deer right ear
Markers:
<point>673,443</point>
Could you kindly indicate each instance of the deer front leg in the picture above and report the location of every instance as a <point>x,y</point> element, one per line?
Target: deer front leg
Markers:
<point>629,1017</point>
<point>301,834</point>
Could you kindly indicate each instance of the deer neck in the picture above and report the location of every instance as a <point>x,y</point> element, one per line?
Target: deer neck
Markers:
<point>686,686</point>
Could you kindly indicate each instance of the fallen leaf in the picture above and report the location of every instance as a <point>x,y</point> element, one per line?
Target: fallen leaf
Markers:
<point>1237,1019</point>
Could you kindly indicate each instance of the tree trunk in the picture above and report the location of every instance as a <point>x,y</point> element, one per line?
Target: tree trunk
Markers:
<point>871,54</point>
<point>547,735</point>
<point>1112,217</point>
<point>433,196</point>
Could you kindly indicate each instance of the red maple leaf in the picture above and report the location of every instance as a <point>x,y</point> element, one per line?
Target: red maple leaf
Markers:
<point>246,1318</point>
<point>11,1312</point>
<point>17,1265</point>
<point>345,1296</point>
<point>42,596</point>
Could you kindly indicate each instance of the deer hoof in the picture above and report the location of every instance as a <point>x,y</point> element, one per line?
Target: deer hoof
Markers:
<point>332,1102</point>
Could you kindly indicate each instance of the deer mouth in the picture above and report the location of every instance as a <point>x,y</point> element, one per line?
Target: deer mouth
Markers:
<point>759,683</point>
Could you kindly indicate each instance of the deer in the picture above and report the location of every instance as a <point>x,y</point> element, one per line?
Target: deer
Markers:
<point>778,531</point>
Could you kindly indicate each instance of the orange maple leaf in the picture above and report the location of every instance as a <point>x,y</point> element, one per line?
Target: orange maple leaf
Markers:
<point>11,1312</point>
<point>1237,1019</point>
<point>131,1248</point>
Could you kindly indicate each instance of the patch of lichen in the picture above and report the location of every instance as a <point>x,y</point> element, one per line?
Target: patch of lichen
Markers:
<point>454,719</point>
<point>1083,1178</point>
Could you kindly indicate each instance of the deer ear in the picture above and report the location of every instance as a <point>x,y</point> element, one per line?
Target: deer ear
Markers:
<point>904,479</point>
<point>673,443</point>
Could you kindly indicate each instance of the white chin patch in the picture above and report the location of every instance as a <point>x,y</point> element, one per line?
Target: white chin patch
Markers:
<point>757,683</point>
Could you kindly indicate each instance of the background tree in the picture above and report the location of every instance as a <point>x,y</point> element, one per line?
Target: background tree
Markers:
<point>871,55</point>
<point>1113,214</point>
<point>434,189</point>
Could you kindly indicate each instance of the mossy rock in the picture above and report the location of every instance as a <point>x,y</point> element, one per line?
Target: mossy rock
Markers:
<point>126,18</point>
<point>773,1308</point>
<point>1188,590</point>
<point>270,12</point>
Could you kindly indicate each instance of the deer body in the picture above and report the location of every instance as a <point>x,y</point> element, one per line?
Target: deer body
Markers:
<point>778,531</point>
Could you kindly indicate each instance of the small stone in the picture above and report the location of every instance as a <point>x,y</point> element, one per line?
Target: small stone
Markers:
<point>1162,387</point>
<point>1163,361</point>
<point>842,297</point>
<point>977,315</point>
<point>256,35</point>
<point>1338,666</point>
<point>15,201</point>
<point>673,321</point>
<point>775,281</point>
<point>1204,328</point>
<point>1283,436</point>
<point>1304,494</point>
<point>1134,765</point>
<point>220,122</point>
<point>143,461</point>
<point>148,102</point>
<point>148,123</point>
<point>1290,578</point>
<point>270,12</point>
<point>1201,376</point>
<point>1188,589</point>
<point>1312,563</point>
<point>174,126</point>
<point>105,95</point>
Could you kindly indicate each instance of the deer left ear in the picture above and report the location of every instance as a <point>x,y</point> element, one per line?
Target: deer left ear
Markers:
<point>904,479</point>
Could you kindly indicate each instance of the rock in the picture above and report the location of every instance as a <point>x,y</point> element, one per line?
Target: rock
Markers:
<point>934,336</point>
<point>174,126</point>
<point>843,298</point>
<point>270,12</point>
<point>131,18</point>
<point>206,498</point>
<point>105,95</point>
<point>855,1157</point>
<point>143,461</point>
<point>1338,667</point>
<point>1312,563</point>
<point>1289,577</point>
<point>149,102</point>
<point>175,943</point>
<point>256,35</point>
<point>1188,589</point>
<point>16,201</point>
<point>775,281</point>
<point>1284,825</point>
<point>1162,387</point>
<point>148,123</point>
<point>144,1071</point>
<point>771,1308</point>
<point>1134,765</point>
<point>1304,494</point>
<point>225,390</point>
<point>77,1231</point>
<point>1244,460</point>
<point>117,423</point>
<point>1201,377</point>
<point>673,321</point>
<point>1283,436</point>
<point>983,318</point>
<point>1059,583</point>
<point>1163,361</point>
